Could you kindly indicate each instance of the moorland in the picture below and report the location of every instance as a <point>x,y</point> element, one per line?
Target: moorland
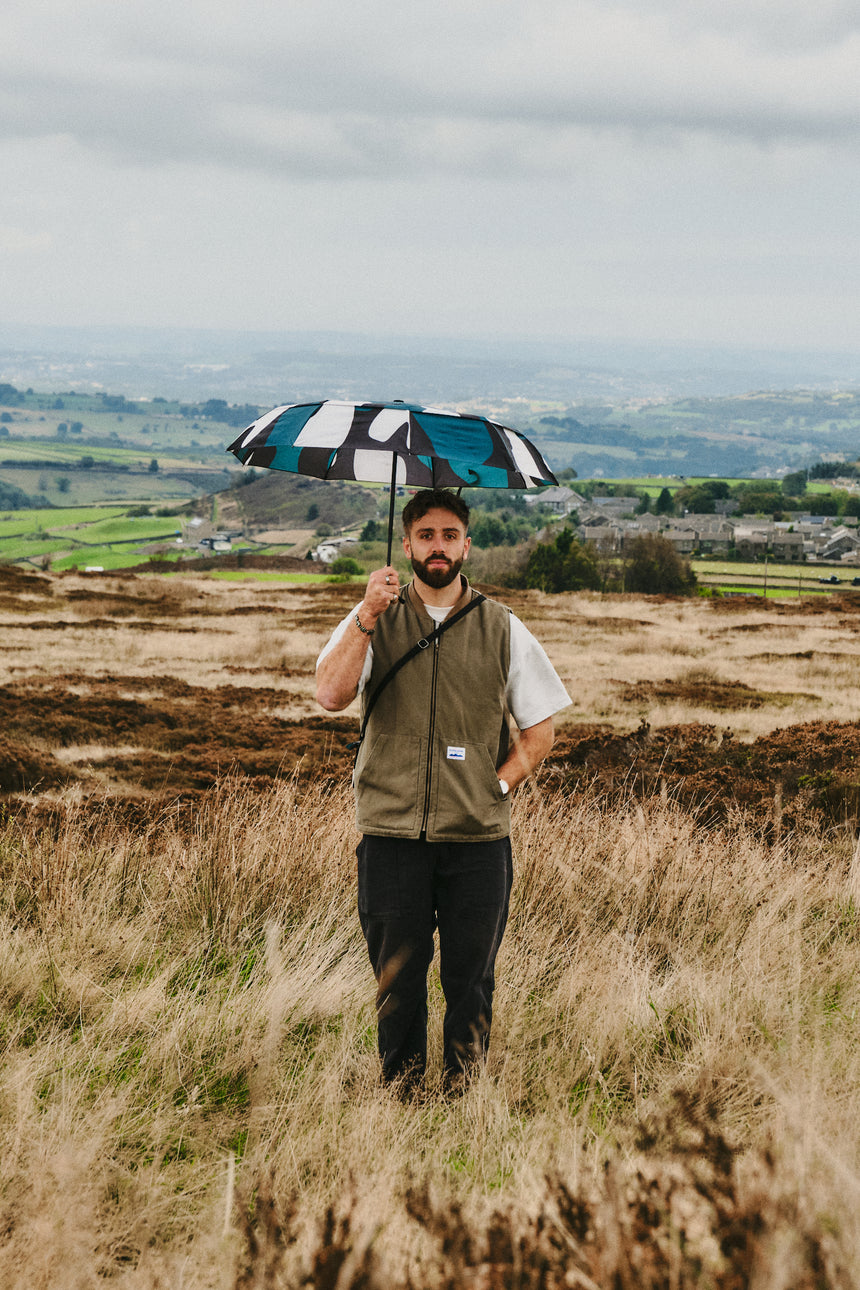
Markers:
<point>189,1092</point>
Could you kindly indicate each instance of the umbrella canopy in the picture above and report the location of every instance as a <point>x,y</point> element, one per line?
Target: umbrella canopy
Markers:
<point>395,443</point>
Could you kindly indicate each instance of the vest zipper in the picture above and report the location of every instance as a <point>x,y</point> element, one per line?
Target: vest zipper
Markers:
<point>431,737</point>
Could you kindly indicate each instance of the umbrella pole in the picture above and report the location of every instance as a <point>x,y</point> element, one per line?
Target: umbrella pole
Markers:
<point>391,505</point>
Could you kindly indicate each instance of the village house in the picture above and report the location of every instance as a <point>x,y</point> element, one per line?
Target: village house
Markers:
<point>615,507</point>
<point>787,545</point>
<point>802,538</point>
<point>559,499</point>
<point>685,541</point>
<point>752,541</point>
<point>713,533</point>
<point>842,544</point>
<point>646,523</point>
<point>606,538</point>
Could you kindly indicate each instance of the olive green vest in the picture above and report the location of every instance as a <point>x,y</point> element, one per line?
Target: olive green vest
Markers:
<point>437,733</point>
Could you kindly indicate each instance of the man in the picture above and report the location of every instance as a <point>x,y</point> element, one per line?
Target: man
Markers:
<point>433,779</point>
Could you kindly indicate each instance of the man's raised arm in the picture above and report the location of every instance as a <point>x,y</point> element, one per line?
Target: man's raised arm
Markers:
<point>339,672</point>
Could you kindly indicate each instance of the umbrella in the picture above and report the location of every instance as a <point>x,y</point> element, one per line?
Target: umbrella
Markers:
<point>395,443</point>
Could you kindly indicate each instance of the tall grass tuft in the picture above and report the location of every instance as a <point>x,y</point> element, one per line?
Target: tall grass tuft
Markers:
<point>189,1089</point>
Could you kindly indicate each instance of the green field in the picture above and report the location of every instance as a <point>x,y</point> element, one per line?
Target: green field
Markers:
<point>777,580</point>
<point>653,485</point>
<point>25,522</point>
<point>110,538</point>
<point>86,449</point>
<point>105,558</point>
<point>271,575</point>
<point>751,569</point>
<point>73,536</point>
<point>143,528</point>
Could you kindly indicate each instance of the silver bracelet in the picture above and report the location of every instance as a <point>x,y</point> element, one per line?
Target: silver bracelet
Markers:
<point>368,631</point>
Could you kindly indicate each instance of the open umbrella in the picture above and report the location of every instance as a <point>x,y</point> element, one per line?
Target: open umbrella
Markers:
<point>395,443</point>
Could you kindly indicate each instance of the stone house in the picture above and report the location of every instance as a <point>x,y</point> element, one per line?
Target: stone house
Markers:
<point>841,544</point>
<point>606,538</point>
<point>559,499</point>
<point>685,541</point>
<point>752,542</point>
<point>787,546</point>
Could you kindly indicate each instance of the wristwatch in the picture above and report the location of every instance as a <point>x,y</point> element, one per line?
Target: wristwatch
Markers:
<point>504,786</point>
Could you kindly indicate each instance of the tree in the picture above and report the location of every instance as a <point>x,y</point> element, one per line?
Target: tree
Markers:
<point>345,564</point>
<point>214,408</point>
<point>372,532</point>
<point>153,466</point>
<point>700,498</point>
<point>794,484</point>
<point>63,483</point>
<point>564,565</point>
<point>487,529</point>
<point>653,567</point>
<point>664,504</point>
<point>698,501</point>
<point>760,499</point>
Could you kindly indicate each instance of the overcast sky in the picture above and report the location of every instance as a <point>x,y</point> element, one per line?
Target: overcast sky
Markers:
<point>661,169</point>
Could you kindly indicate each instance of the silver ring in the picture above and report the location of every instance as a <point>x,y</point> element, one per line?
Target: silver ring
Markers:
<point>387,580</point>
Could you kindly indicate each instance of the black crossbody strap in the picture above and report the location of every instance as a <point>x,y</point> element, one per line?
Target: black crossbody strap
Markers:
<point>418,648</point>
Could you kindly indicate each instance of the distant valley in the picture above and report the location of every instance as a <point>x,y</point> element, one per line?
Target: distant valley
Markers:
<point>600,409</point>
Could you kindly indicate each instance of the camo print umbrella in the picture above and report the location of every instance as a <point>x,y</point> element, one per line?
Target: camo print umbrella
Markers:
<point>396,443</point>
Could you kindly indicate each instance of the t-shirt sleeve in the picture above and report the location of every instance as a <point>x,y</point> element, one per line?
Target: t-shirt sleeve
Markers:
<point>535,690</point>
<point>336,635</point>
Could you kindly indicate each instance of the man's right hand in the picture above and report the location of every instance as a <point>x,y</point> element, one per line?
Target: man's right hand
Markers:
<point>383,588</point>
<point>339,673</point>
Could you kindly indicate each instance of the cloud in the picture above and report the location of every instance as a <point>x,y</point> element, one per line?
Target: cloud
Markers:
<point>336,89</point>
<point>651,167</point>
<point>23,241</point>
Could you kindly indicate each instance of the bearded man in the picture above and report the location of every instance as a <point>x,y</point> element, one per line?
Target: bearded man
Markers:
<point>444,674</point>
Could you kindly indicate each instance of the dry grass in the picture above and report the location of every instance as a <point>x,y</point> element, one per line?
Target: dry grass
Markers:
<point>189,1094</point>
<point>209,632</point>
<point>187,1020</point>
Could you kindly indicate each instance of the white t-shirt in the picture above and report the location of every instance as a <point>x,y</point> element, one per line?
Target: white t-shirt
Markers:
<point>534,690</point>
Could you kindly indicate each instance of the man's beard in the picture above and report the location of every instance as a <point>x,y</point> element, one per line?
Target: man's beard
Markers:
<point>439,577</point>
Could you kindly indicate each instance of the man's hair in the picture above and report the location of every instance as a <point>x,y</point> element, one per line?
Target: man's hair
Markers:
<point>429,499</point>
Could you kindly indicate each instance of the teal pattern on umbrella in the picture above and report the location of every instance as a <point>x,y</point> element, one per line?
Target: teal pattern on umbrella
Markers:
<point>434,448</point>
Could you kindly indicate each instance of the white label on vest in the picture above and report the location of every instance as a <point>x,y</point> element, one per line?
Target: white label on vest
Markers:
<point>456,754</point>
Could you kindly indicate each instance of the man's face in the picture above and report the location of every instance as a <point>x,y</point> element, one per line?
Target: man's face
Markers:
<point>437,545</point>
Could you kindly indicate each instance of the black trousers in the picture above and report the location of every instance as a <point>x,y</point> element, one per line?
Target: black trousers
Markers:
<point>406,889</point>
